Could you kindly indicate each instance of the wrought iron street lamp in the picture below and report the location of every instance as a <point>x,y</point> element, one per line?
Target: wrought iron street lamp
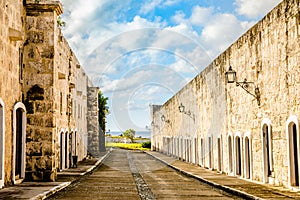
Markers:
<point>163,119</point>
<point>230,76</point>
<point>182,110</point>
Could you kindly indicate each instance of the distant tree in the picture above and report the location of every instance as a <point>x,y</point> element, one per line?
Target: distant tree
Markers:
<point>129,133</point>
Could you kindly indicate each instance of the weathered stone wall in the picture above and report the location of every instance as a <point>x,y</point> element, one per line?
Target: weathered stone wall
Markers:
<point>39,69</point>
<point>268,54</point>
<point>56,95</point>
<point>80,112</point>
<point>39,88</point>
<point>92,120</point>
<point>11,40</point>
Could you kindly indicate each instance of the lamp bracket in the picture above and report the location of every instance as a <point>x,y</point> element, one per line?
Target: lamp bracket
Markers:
<point>245,85</point>
<point>189,113</point>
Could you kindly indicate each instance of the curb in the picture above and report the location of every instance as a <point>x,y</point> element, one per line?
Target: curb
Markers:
<point>98,162</point>
<point>51,192</point>
<point>211,183</point>
<point>66,184</point>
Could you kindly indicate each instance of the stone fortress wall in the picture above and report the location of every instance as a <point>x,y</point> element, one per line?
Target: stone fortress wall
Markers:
<point>222,127</point>
<point>43,94</point>
<point>11,38</point>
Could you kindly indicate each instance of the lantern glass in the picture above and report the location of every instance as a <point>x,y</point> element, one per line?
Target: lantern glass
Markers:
<point>181,108</point>
<point>230,75</point>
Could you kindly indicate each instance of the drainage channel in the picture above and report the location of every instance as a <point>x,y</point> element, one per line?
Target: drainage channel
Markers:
<point>144,191</point>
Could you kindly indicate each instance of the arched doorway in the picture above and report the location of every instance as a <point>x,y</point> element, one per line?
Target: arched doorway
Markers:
<point>19,133</point>
<point>196,153</point>
<point>66,164</point>
<point>2,131</point>
<point>219,154</point>
<point>62,151</point>
<point>230,163</point>
<point>267,151</point>
<point>238,156</point>
<point>202,146</point>
<point>247,158</point>
<point>210,149</point>
<point>293,152</point>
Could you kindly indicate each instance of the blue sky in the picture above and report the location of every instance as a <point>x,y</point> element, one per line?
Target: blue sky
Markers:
<point>143,52</point>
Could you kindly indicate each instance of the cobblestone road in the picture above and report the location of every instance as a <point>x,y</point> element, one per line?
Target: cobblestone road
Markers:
<point>136,175</point>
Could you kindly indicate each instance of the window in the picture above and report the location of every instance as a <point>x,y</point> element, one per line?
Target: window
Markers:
<point>78,110</point>
<point>60,103</point>
<point>21,52</point>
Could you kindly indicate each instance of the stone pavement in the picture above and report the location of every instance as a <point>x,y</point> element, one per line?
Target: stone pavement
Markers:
<point>240,187</point>
<point>42,190</point>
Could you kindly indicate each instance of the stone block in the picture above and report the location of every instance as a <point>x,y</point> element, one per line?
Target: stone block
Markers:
<point>49,121</point>
<point>34,149</point>
<point>35,37</point>
<point>48,52</point>
<point>43,107</point>
<point>34,120</point>
<point>43,135</point>
<point>45,24</point>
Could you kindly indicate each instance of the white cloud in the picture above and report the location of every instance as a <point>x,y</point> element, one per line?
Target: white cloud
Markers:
<point>149,6</point>
<point>222,30</point>
<point>254,9</point>
<point>171,2</point>
<point>201,15</point>
<point>143,59</point>
<point>219,30</point>
<point>89,25</point>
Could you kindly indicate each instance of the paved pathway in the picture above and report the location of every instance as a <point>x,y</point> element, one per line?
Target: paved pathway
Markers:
<point>41,190</point>
<point>146,179</point>
<point>136,175</point>
<point>234,185</point>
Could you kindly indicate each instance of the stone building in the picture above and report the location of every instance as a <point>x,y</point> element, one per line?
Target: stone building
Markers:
<point>43,94</point>
<point>217,125</point>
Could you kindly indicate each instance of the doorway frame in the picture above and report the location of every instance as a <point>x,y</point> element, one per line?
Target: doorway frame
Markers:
<point>238,135</point>
<point>249,156</point>
<point>2,141</point>
<point>220,153</point>
<point>17,106</point>
<point>292,120</point>
<point>266,178</point>
<point>230,153</point>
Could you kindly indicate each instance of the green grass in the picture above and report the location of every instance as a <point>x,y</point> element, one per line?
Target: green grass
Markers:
<point>132,146</point>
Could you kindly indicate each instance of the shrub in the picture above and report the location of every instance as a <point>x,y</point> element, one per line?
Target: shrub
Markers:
<point>146,144</point>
